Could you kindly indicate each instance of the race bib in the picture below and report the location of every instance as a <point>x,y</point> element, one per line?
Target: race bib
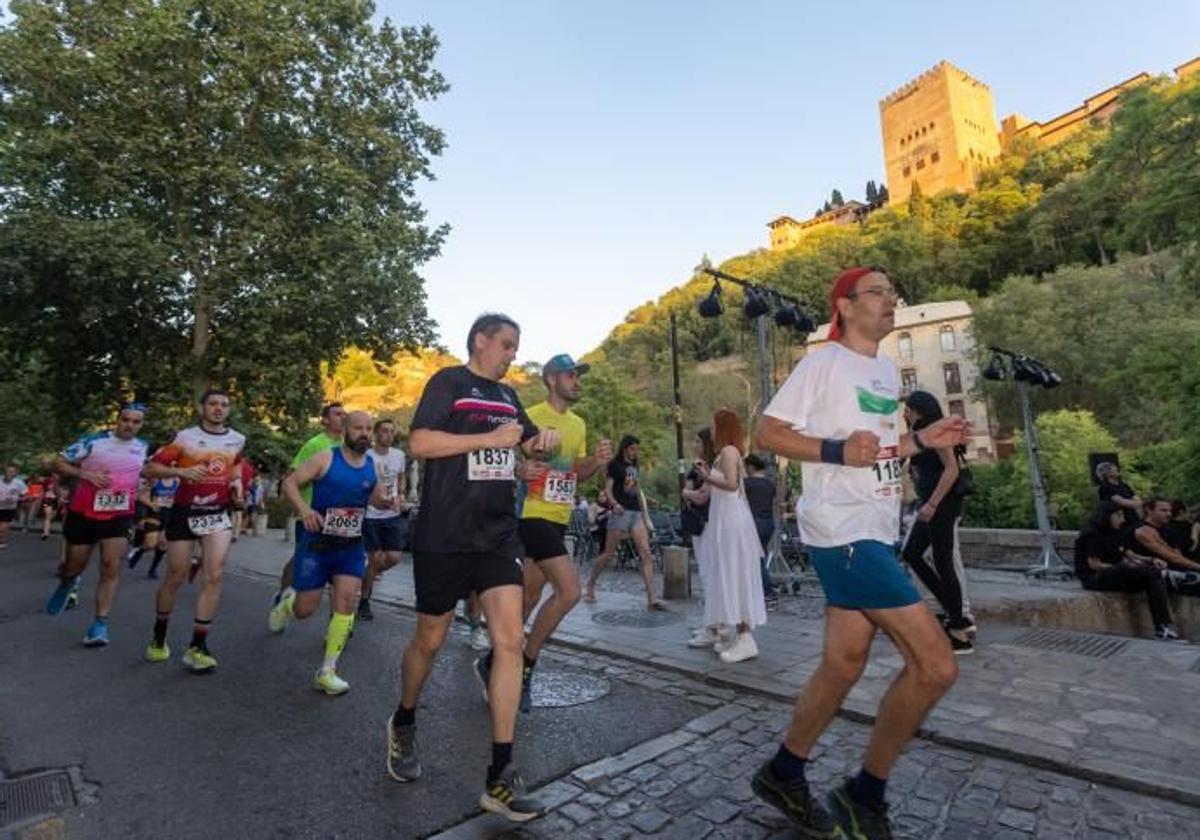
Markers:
<point>209,523</point>
<point>491,465</point>
<point>389,491</point>
<point>887,474</point>
<point>163,501</point>
<point>560,487</point>
<point>110,501</point>
<point>343,522</point>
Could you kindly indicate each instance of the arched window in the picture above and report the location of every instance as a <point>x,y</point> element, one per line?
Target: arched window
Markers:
<point>905,345</point>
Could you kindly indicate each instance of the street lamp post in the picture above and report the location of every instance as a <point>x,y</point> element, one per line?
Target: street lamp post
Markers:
<point>1028,371</point>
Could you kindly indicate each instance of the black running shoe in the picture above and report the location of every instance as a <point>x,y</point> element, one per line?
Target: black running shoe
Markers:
<point>858,820</point>
<point>506,796</point>
<point>402,762</point>
<point>483,672</point>
<point>795,800</point>
<point>364,611</point>
<point>527,689</point>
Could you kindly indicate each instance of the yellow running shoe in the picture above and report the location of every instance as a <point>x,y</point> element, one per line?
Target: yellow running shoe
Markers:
<point>199,661</point>
<point>281,614</point>
<point>154,653</point>
<point>330,683</point>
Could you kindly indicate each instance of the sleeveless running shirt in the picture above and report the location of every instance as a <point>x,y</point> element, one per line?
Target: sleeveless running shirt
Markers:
<point>341,495</point>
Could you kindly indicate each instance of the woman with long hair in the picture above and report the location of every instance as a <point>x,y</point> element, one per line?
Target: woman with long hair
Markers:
<point>733,594</point>
<point>622,485</point>
<point>935,474</point>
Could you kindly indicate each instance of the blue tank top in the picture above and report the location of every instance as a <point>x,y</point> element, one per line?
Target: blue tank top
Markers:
<point>344,485</point>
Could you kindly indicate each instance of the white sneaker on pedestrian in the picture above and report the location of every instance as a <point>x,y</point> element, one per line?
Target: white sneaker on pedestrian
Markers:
<point>725,638</point>
<point>480,640</point>
<point>704,637</point>
<point>744,647</point>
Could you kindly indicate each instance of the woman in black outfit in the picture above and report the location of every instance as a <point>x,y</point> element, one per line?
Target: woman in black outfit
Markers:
<point>1102,565</point>
<point>935,473</point>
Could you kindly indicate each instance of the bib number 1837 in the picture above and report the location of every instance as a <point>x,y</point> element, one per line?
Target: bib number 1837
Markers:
<point>491,465</point>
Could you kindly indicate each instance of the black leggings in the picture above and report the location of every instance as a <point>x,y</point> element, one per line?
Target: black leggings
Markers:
<point>1120,578</point>
<point>941,579</point>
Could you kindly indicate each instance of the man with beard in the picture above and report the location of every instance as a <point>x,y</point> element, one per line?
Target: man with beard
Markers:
<point>107,466</point>
<point>548,493</point>
<point>206,460</point>
<point>329,549</point>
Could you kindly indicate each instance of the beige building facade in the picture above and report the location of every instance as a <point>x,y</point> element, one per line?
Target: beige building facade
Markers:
<point>933,346</point>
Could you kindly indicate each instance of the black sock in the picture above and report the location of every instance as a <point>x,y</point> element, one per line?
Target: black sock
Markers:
<point>868,789</point>
<point>200,634</point>
<point>160,628</point>
<point>159,553</point>
<point>403,716</point>
<point>501,756</point>
<point>529,663</point>
<point>787,766</point>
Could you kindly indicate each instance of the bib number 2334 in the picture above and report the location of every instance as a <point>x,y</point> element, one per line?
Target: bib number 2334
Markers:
<point>491,465</point>
<point>887,475</point>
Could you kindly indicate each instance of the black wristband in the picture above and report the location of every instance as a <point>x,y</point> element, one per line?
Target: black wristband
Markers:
<point>916,439</point>
<point>833,451</point>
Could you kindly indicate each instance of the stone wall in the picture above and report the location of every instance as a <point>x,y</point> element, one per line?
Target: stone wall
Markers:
<point>1012,548</point>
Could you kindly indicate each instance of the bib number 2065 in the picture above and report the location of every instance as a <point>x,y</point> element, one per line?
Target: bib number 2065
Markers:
<point>491,465</point>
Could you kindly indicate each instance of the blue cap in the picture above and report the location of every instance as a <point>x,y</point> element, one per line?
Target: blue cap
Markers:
<point>562,363</point>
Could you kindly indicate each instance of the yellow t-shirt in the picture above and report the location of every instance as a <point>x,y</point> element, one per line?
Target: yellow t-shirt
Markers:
<point>552,497</point>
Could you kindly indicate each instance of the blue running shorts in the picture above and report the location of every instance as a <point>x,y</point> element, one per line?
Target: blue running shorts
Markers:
<point>864,575</point>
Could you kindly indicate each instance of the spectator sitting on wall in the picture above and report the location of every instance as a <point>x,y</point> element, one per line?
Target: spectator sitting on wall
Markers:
<point>1111,487</point>
<point>1147,541</point>
<point>1182,533</point>
<point>1103,565</point>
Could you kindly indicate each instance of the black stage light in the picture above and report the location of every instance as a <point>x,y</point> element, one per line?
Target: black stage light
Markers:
<point>756,304</point>
<point>711,306</point>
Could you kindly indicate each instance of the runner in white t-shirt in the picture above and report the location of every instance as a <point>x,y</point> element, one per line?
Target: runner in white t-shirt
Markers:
<point>384,529</point>
<point>12,490</point>
<point>838,414</point>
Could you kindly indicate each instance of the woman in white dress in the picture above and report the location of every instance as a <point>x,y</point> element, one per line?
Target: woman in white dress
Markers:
<point>733,594</point>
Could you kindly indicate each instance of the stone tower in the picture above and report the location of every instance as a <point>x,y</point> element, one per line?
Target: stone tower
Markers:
<point>939,131</point>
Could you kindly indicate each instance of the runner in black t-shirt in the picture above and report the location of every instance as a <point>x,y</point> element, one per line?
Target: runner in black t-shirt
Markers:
<point>466,428</point>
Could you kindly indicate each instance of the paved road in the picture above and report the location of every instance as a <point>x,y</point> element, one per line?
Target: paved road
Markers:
<point>251,750</point>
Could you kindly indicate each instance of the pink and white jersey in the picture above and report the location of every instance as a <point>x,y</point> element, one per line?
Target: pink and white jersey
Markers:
<point>122,460</point>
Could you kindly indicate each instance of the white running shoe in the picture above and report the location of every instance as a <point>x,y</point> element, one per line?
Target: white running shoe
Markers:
<point>704,637</point>
<point>744,647</point>
<point>480,640</point>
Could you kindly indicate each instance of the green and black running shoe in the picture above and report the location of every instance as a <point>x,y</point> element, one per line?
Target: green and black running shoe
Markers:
<point>859,820</point>
<point>795,800</point>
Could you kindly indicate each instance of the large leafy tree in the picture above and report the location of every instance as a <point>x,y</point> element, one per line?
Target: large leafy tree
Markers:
<point>217,192</point>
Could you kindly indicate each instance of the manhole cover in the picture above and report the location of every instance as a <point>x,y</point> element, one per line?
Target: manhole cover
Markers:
<point>635,618</point>
<point>1097,647</point>
<point>555,689</point>
<point>32,796</point>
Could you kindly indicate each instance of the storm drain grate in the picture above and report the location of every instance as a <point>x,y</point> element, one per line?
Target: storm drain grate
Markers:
<point>635,618</point>
<point>1097,647</point>
<point>32,796</point>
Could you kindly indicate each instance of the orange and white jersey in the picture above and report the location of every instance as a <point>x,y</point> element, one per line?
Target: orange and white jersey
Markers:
<point>220,454</point>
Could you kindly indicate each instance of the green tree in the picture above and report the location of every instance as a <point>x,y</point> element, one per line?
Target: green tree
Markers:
<point>836,199</point>
<point>872,192</point>
<point>216,193</point>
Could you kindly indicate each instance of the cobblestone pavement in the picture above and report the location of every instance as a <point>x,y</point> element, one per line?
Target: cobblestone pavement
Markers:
<point>693,783</point>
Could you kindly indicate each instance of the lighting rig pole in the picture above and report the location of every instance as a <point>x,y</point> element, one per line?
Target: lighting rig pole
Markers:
<point>1028,371</point>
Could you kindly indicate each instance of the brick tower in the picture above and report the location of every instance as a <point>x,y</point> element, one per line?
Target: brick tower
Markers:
<point>939,131</point>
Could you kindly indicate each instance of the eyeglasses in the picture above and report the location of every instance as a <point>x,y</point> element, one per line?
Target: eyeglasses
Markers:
<point>877,291</point>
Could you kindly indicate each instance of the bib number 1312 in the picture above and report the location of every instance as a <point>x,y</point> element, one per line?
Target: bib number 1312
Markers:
<point>491,465</point>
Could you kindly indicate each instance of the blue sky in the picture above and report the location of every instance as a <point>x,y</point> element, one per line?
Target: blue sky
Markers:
<point>597,150</point>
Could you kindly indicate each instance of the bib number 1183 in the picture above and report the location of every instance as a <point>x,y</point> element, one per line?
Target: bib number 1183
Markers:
<point>888,473</point>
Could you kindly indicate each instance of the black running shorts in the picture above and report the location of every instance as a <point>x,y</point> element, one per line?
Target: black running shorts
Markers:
<point>543,539</point>
<point>81,530</point>
<point>8,515</point>
<point>176,527</point>
<point>442,580</point>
